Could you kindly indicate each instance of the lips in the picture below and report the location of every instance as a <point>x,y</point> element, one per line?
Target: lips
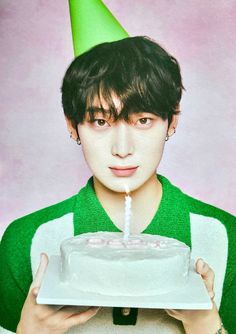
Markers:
<point>124,170</point>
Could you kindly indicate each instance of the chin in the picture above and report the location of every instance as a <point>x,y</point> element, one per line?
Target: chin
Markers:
<point>117,184</point>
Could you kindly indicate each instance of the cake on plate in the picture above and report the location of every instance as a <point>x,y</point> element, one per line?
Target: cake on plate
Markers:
<point>104,263</point>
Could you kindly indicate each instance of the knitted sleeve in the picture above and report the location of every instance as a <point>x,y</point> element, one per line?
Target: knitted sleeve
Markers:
<point>5,331</point>
<point>14,282</point>
<point>228,309</point>
<point>15,262</point>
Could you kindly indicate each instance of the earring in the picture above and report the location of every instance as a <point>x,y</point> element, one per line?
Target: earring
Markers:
<point>77,140</point>
<point>167,136</point>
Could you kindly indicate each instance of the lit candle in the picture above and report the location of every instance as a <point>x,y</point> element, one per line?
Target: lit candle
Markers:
<point>128,214</point>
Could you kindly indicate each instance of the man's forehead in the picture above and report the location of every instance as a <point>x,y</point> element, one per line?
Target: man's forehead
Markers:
<point>113,107</point>
<point>100,104</point>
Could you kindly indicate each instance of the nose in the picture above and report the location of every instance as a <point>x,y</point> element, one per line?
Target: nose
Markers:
<point>122,145</point>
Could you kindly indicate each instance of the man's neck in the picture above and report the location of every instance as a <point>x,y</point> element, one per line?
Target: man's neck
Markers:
<point>145,202</point>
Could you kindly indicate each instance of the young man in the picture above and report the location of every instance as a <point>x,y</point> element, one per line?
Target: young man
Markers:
<point>121,103</point>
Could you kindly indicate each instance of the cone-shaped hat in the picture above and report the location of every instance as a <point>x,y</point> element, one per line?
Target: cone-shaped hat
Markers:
<point>92,23</point>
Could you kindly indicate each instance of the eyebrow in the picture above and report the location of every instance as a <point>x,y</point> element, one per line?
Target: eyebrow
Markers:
<point>107,111</point>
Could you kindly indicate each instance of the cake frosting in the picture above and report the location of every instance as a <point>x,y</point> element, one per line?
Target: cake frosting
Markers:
<point>104,263</point>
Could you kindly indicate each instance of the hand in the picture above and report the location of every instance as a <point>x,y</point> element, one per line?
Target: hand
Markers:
<point>200,321</point>
<point>45,319</point>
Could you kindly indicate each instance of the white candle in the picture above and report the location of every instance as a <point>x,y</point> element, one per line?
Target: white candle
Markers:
<point>128,214</point>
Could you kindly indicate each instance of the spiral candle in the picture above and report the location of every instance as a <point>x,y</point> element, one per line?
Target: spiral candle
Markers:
<point>128,214</point>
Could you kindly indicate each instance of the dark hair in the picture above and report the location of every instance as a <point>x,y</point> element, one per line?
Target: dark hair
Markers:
<point>139,71</point>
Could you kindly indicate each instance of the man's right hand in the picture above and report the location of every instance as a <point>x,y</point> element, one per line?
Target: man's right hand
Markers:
<point>46,319</point>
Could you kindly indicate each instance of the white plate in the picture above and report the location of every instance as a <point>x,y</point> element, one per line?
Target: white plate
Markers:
<point>192,296</point>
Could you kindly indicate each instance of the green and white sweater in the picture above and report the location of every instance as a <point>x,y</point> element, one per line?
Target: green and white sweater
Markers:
<point>209,231</point>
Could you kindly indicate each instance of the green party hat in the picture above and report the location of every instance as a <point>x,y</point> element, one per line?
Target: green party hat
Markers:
<point>92,23</point>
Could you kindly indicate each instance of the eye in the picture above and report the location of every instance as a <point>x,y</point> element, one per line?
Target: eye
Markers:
<point>100,123</point>
<point>145,121</point>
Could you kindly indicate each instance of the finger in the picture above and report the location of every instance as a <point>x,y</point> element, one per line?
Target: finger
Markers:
<point>68,311</point>
<point>177,314</point>
<point>81,318</point>
<point>35,285</point>
<point>207,274</point>
<point>41,310</point>
<point>40,272</point>
<point>172,313</point>
<point>59,315</point>
<point>32,294</point>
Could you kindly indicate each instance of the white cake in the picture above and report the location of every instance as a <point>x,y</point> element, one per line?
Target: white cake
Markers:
<point>103,263</point>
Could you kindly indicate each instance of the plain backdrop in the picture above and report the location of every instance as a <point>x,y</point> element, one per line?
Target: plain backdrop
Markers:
<point>41,165</point>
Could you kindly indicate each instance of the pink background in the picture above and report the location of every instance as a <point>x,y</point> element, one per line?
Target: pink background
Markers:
<point>40,165</point>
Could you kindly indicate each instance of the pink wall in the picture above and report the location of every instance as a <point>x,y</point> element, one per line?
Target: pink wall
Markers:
<point>40,165</point>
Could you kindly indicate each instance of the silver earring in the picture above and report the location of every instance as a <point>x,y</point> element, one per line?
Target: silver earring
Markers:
<point>70,134</point>
<point>78,141</point>
<point>167,137</point>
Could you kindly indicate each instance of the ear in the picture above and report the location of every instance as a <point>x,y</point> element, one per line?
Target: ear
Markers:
<point>173,125</point>
<point>71,128</point>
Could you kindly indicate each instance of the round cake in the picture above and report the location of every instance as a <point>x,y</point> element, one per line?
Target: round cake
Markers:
<point>104,263</point>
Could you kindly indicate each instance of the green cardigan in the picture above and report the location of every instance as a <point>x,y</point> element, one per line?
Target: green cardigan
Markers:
<point>178,216</point>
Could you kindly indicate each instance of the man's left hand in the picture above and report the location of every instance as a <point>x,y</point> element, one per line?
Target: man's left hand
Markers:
<point>200,320</point>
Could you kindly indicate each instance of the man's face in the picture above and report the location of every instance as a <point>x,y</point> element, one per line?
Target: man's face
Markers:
<point>120,152</point>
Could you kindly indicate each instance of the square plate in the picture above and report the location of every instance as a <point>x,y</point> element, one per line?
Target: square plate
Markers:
<point>192,296</point>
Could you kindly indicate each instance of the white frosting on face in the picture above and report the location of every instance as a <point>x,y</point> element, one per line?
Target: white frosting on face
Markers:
<point>103,262</point>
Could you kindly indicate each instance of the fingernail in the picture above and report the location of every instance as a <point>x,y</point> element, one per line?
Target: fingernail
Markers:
<point>35,291</point>
<point>201,263</point>
<point>211,294</point>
